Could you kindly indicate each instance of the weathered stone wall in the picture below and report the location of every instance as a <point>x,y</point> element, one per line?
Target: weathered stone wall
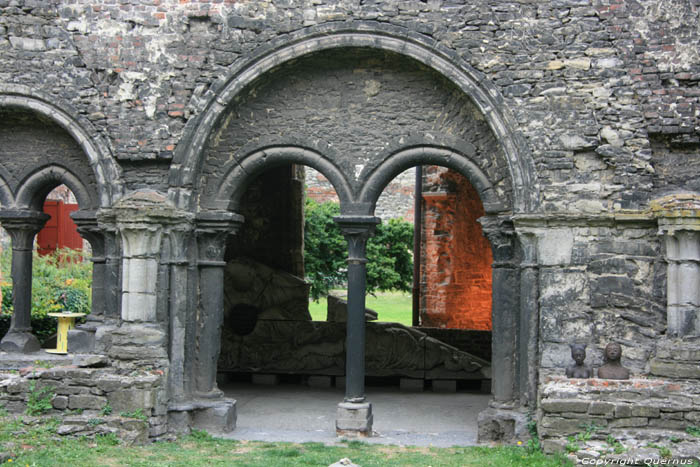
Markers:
<point>92,401</point>
<point>601,95</point>
<point>628,419</point>
<point>588,83</point>
<point>601,283</point>
<point>31,142</point>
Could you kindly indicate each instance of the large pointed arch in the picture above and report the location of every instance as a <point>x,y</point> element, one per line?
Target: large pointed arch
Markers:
<point>189,154</point>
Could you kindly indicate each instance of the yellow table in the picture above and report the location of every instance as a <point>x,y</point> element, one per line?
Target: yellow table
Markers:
<point>66,321</point>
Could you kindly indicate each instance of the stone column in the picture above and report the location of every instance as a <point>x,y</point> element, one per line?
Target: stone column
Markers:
<point>90,231</point>
<point>211,231</point>
<point>355,413</point>
<point>178,238</point>
<point>140,250</point>
<point>529,318</point>
<point>679,224</point>
<point>505,310</point>
<point>22,227</point>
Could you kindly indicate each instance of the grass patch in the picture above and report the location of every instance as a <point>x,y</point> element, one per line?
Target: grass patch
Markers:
<point>394,307</point>
<point>38,445</point>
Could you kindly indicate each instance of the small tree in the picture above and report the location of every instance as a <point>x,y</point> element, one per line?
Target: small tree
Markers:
<point>390,262</point>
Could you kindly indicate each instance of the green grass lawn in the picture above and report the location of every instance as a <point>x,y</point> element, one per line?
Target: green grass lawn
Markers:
<point>395,307</point>
<point>39,445</point>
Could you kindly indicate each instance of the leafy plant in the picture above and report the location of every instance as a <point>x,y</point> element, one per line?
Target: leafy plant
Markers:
<point>106,410</point>
<point>39,399</point>
<point>137,414</point>
<point>533,444</point>
<point>3,411</point>
<point>200,435</point>
<point>95,421</point>
<point>615,444</point>
<point>693,430</point>
<point>390,261</point>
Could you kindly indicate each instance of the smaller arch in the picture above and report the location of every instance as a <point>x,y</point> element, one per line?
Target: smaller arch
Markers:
<point>428,155</point>
<point>33,190</point>
<point>7,198</point>
<point>237,180</point>
<point>107,172</point>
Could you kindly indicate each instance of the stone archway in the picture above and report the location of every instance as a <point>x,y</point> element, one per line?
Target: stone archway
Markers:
<point>210,172</point>
<point>93,177</point>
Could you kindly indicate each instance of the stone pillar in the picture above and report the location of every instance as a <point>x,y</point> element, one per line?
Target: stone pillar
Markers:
<point>505,310</point>
<point>354,413</point>
<point>89,230</point>
<point>679,224</point>
<point>211,231</point>
<point>22,227</point>
<point>140,251</point>
<point>529,318</point>
<point>178,238</point>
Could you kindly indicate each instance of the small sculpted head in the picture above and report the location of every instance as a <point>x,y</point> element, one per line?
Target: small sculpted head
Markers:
<point>578,353</point>
<point>613,352</point>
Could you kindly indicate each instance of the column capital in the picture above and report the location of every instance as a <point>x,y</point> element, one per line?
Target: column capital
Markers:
<point>212,228</point>
<point>500,232</point>
<point>677,212</point>
<point>23,227</point>
<point>357,230</point>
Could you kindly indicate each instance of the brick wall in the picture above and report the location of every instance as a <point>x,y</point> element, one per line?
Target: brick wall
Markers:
<point>456,258</point>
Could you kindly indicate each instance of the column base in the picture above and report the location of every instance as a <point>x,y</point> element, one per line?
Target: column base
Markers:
<point>354,419</point>
<point>213,416</point>
<point>502,425</point>
<point>20,342</point>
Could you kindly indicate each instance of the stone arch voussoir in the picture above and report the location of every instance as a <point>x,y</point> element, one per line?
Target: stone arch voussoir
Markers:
<point>33,189</point>
<point>428,154</point>
<point>189,154</point>
<point>106,170</point>
<point>247,168</point>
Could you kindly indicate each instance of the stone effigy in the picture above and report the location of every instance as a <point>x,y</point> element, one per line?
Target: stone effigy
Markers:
<point>613,369</point>
<point>267,328</point>
<point>578,370</point>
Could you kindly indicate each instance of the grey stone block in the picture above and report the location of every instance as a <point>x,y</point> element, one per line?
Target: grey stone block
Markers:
<point>411,385</point>
<point>564,405</point>
<point>265,380</point>
<point>318,381</point>
<point>128,400</point>
<point>444,385</point>
<point>221,418</point>
<point>60,402</point>
<point>83,401</point>
<point>354,419</point>
<point>81,341</point>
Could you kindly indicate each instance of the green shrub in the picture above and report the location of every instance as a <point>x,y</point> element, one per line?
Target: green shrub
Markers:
<point>39,399</point>
<point>61,281</point>
<point>389,255</point>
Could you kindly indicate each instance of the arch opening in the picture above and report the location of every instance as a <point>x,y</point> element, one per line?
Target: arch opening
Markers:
<point>44,198</point>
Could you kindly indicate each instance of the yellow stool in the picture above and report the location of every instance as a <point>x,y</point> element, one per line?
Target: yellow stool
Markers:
<point>66,321</point>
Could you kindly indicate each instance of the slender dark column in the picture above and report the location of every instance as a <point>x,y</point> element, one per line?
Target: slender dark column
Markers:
<point>89,230</point>
<point>505,310</point>
<point>355,415</point>
<point>178,240</point>
<point>211,235</point>
<point>22,227</point>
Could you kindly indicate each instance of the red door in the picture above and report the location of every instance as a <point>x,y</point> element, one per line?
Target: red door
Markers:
<point>60,231</point>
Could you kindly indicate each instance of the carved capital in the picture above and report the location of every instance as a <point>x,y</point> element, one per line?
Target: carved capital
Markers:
<point>23,227</point>
<point>89,229</point>
<point>357,230</point>
<point>212,229</point>
<point>500,232</point>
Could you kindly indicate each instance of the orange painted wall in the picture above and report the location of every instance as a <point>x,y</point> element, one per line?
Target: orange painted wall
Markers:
<point>455,257</point>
